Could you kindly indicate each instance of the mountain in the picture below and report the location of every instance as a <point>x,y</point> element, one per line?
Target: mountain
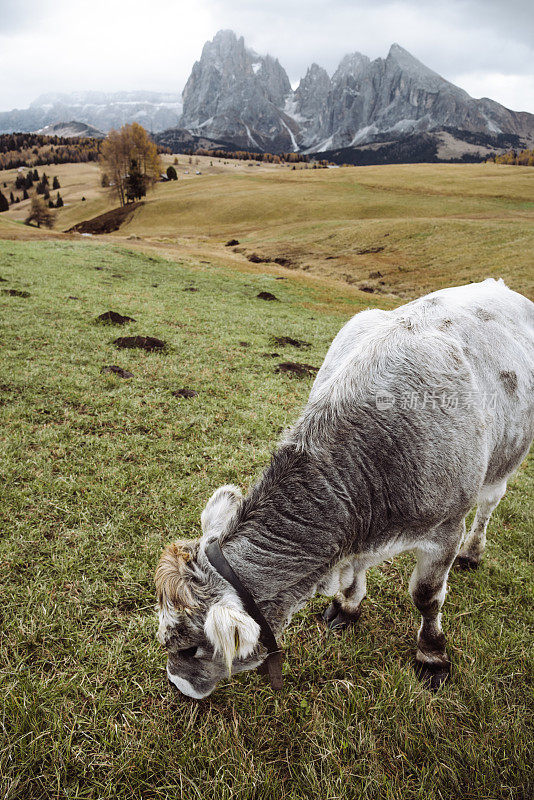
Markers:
<point>392,108</point>
<point>67,130</point>
<point>154,110</point>
<point>234,94</point>
<point>400,95</point>
<point>240,97</point>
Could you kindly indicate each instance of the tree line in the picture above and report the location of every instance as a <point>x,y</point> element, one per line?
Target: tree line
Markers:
<point>36,150</point>
<point>522,158</point>
<point>248,155</point>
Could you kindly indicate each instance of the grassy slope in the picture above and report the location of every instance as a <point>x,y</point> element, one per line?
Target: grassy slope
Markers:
<point>437,223</point>
<point>98,473</point>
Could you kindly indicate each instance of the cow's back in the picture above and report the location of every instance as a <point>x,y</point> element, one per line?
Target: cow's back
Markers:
<point>474,344</point>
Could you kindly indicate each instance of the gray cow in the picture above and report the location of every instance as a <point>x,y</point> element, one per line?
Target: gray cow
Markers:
<point>416,416</point>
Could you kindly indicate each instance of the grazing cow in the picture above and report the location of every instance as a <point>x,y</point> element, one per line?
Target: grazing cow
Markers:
<point>416,416</point>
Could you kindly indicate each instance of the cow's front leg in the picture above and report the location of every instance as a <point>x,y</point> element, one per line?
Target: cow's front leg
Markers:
<point>428,586</point>
<point>345,608</point>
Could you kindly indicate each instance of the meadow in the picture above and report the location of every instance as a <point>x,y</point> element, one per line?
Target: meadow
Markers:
<point>395,231</point>
<point>97,473</point>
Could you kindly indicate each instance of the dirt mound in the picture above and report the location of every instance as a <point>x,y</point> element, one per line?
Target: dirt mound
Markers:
<point>232,243</point>
<point>284,341</point>
<point>106,223</point>
<point>266,296</point>
<point>365,250</point>
<point>256,259</point>
<point>143,342</point>
<point>122,373</point>
<point>15,293</point>
<point>113,318</point>
<point>296,369</point>
<point>185,393</point>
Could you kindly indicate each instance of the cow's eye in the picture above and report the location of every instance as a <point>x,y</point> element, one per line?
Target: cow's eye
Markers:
<point>189,652</point>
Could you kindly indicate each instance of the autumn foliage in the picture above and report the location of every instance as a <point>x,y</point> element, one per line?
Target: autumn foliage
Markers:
<point>522,158</point>
<point>131,162</point>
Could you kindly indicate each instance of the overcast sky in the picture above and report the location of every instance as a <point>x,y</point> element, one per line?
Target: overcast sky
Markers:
<point>484,46</point>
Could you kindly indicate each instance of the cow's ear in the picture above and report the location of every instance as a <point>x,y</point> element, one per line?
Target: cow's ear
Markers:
<point>232,632</point>
<point>220,507</point>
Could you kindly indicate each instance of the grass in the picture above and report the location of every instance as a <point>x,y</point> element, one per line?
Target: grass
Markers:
<point>421,226</point>
<point>98,473</point>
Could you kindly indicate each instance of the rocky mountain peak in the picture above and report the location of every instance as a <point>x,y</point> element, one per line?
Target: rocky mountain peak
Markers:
<point>235,93</point>
<point>351,64</point>
<point>400,59</point>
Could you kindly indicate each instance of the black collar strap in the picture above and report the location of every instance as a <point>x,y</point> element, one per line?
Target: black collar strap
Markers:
<point>273,663</point>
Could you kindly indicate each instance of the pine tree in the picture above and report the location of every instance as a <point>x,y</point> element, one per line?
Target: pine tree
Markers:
<point>172,175</point>
<point>135,182</point>
<point>25,195</point>
<point>59,201</point>
<point>55,183</point>
<point>11,198</point>
<point>4,205</point>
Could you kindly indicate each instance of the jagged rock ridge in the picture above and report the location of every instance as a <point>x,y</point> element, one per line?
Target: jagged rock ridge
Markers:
<point>235,95</point>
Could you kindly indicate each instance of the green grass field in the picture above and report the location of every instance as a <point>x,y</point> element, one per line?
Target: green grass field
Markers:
<point>421,226</point>
<point>98,473</point>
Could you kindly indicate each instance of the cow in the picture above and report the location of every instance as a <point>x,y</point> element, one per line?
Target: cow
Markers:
<point>416,416</point>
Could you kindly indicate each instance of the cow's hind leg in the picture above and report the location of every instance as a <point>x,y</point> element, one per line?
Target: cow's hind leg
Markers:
<point>345,608</point>
<point>428,586</point>
<point>472,549</point>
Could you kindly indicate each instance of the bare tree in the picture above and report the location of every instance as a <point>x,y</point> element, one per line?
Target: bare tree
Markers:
<point>40,214</point>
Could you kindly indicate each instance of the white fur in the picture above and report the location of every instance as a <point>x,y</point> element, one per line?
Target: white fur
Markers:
<point>220,508</point>
<point>363,358</point>
<point>185,687</point>
<point>231,631</point>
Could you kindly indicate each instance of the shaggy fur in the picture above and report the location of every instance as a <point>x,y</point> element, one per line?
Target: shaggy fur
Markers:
<point>356,481</point>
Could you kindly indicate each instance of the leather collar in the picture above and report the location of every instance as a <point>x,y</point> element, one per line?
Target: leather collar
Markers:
<point>272,666</point>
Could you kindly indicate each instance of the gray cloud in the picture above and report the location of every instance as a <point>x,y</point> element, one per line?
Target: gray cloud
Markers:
<point>486,46</point>
<point>20,15</point>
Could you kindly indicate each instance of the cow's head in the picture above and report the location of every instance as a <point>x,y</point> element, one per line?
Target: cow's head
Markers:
<point>207,633</point>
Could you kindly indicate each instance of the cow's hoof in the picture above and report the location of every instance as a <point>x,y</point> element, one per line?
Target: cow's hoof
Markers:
<point>466,562</point>
<point>337,619</point>
<point>432,676</point>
